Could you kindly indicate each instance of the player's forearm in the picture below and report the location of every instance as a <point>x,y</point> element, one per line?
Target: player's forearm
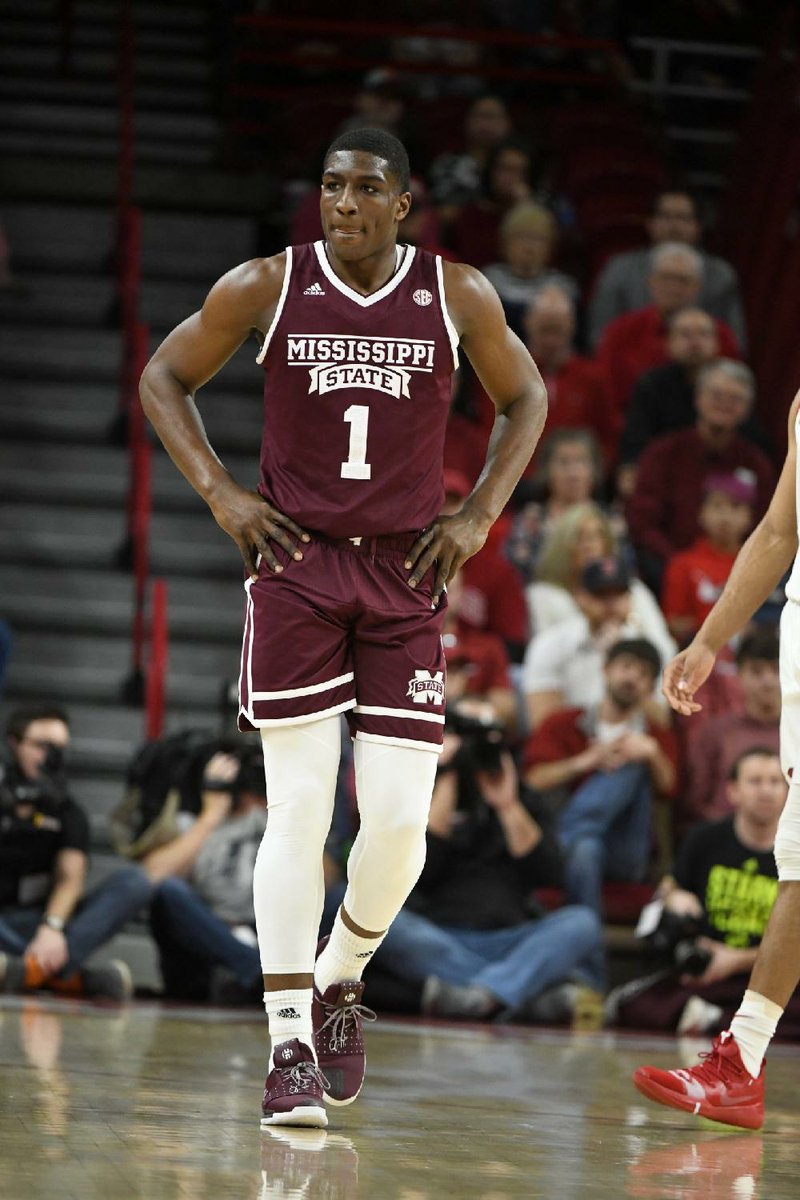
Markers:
<point>175,418</point>
<point>514,438</point>
<point>759,567</point>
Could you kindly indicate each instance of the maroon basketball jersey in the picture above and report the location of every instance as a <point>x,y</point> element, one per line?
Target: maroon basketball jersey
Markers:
<point>356,397</point>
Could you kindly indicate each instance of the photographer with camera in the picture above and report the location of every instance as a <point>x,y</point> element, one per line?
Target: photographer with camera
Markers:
<point>716,905</point>
<point>602,766</point>
<point>202,916</point>
<point>470,935</point>
<point>48,926</point>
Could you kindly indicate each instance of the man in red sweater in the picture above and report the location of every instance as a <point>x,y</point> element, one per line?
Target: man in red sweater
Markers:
<point>662,512</point>
<point>637,341</point>
<point>576,387</point>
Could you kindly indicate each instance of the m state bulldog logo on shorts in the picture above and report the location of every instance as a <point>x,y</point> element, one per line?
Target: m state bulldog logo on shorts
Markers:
<point>383,364</point>
<point>427,687</point>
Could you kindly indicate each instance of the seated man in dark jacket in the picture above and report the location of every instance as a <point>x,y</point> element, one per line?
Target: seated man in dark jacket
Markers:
<point>470,933</point>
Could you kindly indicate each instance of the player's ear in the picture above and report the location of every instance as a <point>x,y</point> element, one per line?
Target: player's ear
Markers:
<point>403,206</point>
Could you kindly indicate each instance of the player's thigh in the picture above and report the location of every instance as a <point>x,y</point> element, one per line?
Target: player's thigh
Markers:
<point>400,666</point>
<point>296,663</point>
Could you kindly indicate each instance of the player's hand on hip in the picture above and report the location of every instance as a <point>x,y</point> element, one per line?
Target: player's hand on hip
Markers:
<point>254,524</point>
<point>448,543</point>
<point>687,672</point>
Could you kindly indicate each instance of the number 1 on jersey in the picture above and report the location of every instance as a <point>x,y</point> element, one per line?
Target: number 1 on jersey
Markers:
<point>357,467</point>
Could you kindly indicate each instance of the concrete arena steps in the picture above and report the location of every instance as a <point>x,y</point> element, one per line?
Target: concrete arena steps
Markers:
<point>75,602</point>
<point>64,413</point>
<point>97,476</point>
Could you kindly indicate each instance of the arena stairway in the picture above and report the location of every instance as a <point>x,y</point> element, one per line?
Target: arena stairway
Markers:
<point>63,476</point>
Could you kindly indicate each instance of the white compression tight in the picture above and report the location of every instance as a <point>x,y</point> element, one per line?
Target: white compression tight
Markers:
<point>394,786</point>
<point>300,765</point>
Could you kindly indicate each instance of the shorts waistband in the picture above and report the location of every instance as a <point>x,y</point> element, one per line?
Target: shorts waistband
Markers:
<point>373,544</point>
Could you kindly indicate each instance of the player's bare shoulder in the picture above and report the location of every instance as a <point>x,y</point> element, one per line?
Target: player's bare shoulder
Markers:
<point>249,293</point>
<point>471,299</point>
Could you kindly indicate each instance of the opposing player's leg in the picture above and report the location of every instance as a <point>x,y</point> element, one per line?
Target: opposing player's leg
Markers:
<point>728,1086</point>
<point>397,725</point>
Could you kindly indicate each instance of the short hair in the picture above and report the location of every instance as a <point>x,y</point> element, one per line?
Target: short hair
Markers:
<point>555,562</point>
<point>677,249</point>
<point>380,144</point>
<point>528,216</point>
<point>638,648</point>
<point>21,718</point>
<point>739,372</point>
<point>761,646</point>
<point>750,752</point>
<point>552,296</point>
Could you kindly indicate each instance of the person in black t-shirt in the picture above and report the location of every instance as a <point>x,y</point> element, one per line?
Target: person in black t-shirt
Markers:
<point>470,934</point>
<point>48,925</point>
<point>726,881</point>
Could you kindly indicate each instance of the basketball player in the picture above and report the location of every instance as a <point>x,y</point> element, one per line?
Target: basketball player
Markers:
<point>728,1086</point>
<point>347,560</point>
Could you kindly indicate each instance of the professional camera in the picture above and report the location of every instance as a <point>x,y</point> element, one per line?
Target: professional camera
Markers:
<point>16,790</point>
<point>674,941</point>
<point>482,741</point>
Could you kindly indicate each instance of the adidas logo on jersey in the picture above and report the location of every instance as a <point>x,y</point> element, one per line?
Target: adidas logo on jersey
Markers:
<point>314,290</point>
<point>288,1014</point>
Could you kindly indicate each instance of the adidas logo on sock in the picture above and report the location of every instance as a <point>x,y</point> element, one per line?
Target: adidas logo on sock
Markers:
<point>314,290</point>
<point>288,1014</point>
<point>367,954</point>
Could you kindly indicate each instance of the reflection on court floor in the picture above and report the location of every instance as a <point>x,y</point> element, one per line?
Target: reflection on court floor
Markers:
<point>152,1103</point>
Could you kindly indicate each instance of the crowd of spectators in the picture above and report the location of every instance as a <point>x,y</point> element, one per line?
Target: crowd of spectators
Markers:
<point>559,747</point>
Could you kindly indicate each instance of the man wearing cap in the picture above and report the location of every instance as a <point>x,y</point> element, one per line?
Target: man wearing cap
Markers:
<point>662,512</point>
<point>564,665</point>
<point>611,759</point>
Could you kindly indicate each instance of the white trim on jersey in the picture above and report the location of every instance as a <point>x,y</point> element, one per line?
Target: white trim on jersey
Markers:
<point>287,274</point>
<point>303,719</point>
<point>386,740</point>
<point>404,714</point>
<point>452,332</point>
<point>364,301</point>
<point>310,690</point>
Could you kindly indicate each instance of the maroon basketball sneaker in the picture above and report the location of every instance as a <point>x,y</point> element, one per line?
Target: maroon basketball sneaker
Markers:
<point>338,1017</point>
<point>720,1088</point>
<point>293,1092</point>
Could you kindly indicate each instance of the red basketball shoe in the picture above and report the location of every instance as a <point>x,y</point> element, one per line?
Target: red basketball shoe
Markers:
<point>293,1092</point>
<point>720,1088</point>
<point>338,1017</point>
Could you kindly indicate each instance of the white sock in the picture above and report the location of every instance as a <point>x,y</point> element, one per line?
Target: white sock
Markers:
<point>289,1016</point>
<point>754,1028</point>
<point>344,958</point>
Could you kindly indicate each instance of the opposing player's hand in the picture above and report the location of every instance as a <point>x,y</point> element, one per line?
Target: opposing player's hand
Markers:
<point>448,543</point>
<point>687,672</point>
<point>254,524</point>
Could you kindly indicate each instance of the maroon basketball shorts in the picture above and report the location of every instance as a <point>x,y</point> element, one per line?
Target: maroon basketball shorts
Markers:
<point>342,631</point>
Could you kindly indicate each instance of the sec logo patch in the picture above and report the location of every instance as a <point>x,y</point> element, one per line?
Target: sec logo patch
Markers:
<point>422,296</point>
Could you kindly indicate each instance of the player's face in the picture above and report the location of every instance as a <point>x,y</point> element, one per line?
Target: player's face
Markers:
<point>360,205</point>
